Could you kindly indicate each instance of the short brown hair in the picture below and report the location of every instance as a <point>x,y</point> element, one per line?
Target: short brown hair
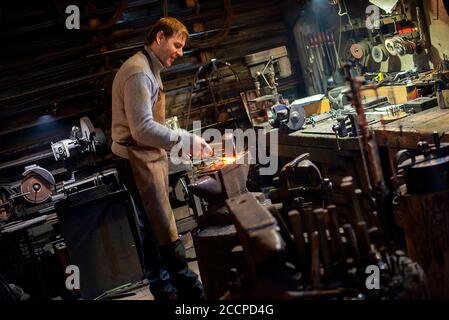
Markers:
<point>169,26</point>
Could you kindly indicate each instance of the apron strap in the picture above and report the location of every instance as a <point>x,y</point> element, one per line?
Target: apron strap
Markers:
<point>145,53</point>
<point>130,143</point>
<point>150,62</point>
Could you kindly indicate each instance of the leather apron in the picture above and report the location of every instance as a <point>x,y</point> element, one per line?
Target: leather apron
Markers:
<point>150,170</point>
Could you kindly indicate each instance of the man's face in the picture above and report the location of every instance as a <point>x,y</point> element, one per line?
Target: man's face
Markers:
<point>171,48</point>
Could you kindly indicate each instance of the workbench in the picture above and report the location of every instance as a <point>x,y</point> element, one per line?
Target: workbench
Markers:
<point>342,157</point>
<point>320,141</point>
<point>407,132</point>
<point>336,158</point>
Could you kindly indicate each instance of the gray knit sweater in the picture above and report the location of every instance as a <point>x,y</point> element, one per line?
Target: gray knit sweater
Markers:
<point>134,92</point>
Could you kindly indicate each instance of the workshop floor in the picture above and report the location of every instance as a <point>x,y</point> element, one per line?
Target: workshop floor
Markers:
<point>144,293</point>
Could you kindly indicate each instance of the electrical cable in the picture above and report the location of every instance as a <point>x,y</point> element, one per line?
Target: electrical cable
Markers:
<point>347,13</point>
<point>340,13</point>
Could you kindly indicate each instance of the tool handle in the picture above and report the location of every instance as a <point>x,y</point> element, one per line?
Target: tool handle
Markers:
<point>296,224</point>
<point>315,261</point>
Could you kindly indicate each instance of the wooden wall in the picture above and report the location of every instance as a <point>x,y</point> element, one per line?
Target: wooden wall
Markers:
<point>51,76</point>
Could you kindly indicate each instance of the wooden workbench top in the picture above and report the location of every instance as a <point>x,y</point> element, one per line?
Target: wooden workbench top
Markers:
<point>404,133</point>
<point>407,132</point>
<point>318,136</point>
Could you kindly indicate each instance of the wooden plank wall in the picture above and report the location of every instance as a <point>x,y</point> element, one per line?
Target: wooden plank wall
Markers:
<point>50,77</point>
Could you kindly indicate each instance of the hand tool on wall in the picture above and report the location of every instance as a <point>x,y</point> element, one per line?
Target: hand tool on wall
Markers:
<point>321,48</point>
<point>330,50</point>
<point>314,45</point>
<point>313,69</point>
<point>331,40</point>
<point>330,53</point>
<point>327,56</point>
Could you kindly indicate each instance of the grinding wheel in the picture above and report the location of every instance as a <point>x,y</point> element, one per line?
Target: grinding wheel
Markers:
<point>389,45</point>
<point>379,53</point>
<point>297,118</point>
<point>35,188</point>
<point>360,50</point>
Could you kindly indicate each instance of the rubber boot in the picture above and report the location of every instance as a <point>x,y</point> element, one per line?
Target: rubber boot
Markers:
<point>185,280</point>
<point>161,286</point>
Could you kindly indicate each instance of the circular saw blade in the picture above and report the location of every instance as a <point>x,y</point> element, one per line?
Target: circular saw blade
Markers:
<point>35,188</point>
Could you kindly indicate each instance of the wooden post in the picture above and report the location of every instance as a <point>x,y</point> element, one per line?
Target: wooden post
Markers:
<point>426,223</point>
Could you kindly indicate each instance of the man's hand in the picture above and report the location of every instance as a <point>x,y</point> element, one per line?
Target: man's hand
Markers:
<point>192,144</point>
<point>200,148</point>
